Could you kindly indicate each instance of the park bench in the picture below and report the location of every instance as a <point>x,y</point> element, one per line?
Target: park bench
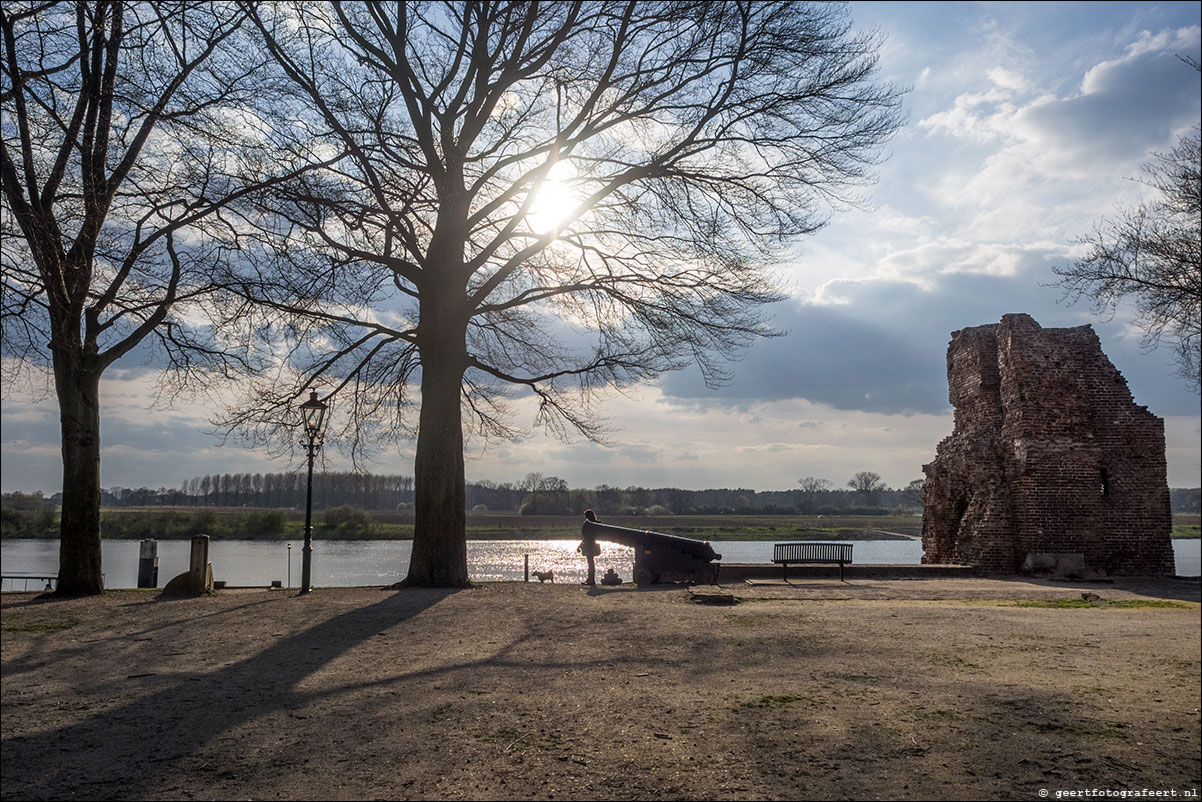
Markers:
<point>807,553</point>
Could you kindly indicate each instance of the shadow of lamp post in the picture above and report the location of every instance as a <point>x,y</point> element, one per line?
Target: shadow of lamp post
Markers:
<point>314,412</point>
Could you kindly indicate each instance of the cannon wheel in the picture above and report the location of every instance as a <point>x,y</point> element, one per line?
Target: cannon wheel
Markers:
<point>643,576</point>
<point>703,576</point>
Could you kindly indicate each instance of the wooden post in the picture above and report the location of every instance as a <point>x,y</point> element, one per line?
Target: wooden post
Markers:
<point>198,579</point>
<point>148,563</point>
<point>526,567</point>
<point>200,570</point>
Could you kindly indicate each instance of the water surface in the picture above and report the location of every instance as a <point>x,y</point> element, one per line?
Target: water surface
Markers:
<point>382,562</point>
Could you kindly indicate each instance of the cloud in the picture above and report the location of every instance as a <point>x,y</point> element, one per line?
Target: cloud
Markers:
<point>879,345</point>
<point>660,440</point>
<point>831,356</point>
<point>1120,109</point>
<point>1124,106</point>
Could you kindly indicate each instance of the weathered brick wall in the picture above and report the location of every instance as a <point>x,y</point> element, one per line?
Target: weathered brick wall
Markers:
<point>1051,462</point>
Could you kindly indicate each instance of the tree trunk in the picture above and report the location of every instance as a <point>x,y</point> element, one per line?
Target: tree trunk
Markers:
<point>79,565</point>
<point>439,556</point>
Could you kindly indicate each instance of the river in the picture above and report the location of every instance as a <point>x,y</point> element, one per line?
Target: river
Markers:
<point>382,562</point>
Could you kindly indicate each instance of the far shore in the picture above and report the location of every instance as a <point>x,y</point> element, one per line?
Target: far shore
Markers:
<point>343,524</point>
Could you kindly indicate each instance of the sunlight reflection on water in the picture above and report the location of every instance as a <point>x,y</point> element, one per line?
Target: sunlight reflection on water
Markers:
<point>382,562</point>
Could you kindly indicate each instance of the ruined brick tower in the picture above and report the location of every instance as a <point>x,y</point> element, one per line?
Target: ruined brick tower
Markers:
<point>1051,465</point>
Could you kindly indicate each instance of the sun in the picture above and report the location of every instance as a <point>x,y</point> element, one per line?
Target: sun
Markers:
<point>554,200</point>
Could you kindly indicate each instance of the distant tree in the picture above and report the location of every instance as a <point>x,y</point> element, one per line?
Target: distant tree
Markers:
<point>550,197</point>
<point>531,483</point>
<point>1185,499</point>
<point>1152,255</point>
<point>867,484</point>
<point>679,501</point>
<point>912,496</point>
<point>609,499</point>
<point>812,484</point>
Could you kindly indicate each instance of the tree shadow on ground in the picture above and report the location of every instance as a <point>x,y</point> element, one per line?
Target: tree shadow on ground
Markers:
<point>157,730</point>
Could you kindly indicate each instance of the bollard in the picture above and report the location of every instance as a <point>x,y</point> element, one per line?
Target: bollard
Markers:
<point>148,563</point>
<point>200,570</point>
<point>526,567</point>
<point>198,579</point>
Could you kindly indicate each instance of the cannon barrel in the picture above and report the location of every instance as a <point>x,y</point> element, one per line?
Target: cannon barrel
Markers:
<point>645,539</point>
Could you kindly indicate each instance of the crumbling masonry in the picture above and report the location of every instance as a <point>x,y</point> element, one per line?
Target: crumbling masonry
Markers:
<point>1051,465</point>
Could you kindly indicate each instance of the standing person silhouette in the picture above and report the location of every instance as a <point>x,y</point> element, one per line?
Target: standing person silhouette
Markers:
<point>590,549</point>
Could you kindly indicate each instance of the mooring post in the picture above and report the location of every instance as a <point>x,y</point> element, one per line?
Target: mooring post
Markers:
<point>148,563</point>
<point>526,567</point>
<point>200,570</point>
<point>198,579</point>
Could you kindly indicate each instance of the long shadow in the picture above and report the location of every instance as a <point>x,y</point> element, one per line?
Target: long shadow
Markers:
<point>1178,589</point>
<point>37,661</point>
<point>62,762</point>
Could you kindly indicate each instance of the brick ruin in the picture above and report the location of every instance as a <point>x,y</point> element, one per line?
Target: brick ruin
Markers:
<point>1052,466</point>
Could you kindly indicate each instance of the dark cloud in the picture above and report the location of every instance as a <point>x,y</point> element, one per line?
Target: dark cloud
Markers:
<point>885,349</point>
<point>832,356</point>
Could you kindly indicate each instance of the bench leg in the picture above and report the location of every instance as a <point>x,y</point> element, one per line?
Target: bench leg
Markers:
<point>840,570</point>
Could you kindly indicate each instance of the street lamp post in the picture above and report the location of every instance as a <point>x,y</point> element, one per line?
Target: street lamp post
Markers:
<point>314,412</point>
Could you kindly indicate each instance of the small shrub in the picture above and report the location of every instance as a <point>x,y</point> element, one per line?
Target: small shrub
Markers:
<point>204,522</point>
<point>266,522</point>
<point>347,519</point>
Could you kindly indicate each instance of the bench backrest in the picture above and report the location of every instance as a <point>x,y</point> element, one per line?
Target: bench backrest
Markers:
<point>812,552</point>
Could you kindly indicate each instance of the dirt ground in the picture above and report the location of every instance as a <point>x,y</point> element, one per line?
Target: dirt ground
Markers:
<point>869,689</point>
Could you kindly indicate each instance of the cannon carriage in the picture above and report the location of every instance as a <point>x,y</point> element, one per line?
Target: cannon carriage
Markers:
<point>657,557</point>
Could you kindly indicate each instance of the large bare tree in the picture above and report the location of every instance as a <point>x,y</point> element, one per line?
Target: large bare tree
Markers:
<point>547,199</point>
<point>127,128</point>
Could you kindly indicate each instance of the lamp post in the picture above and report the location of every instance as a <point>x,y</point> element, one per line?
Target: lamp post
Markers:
<point>314,412</point>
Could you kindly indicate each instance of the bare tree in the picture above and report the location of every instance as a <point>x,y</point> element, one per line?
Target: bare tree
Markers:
<point>549,197</point>
<point>812,484</point>
<point>866,482</point>
<point>1152,256</point>
<point>122,128</point>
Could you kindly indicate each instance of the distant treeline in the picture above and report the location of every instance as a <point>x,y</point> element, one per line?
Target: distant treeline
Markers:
<point>535,494</point>
<point>366,491</point>
<point>24,515</point>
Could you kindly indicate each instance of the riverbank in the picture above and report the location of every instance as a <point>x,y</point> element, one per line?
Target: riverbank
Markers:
<point>346,524</point>
<point>948,688</point>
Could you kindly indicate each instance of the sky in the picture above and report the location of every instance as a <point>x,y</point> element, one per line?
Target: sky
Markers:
<point>1026,125</point>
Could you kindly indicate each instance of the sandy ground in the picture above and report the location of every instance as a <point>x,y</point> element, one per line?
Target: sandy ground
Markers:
<point>870,689</point>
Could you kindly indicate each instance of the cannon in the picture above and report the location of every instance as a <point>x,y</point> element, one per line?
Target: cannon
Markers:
<point>657,557</point>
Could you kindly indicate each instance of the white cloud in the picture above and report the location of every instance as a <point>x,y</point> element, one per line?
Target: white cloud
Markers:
<point>1121,108</point>
<point>1008,79</point>
<point>977,116</point>
<point>662,441</point>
